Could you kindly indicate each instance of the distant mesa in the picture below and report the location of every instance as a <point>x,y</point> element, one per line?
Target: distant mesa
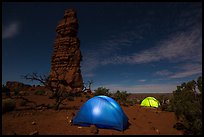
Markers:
<point>65,62</point>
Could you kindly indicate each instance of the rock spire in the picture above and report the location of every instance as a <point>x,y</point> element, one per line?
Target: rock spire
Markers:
<point>65,62</point>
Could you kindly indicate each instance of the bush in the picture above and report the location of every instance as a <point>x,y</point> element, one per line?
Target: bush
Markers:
<point>16,93</point>
<point>17,90</point>
<point>23,93</point>
<point>8,105</point>
<point>70,98</point>
<point>78,94</point>
<point>40,92</point>
<point>6,90</point>
<point>187,105</point>
<point>121,97</point>
<point>102,91</point>
<point>51,106</point>
<point>23,102</point>
<point>132,101</point>
<point>70,94</point>
<point>164,107</point>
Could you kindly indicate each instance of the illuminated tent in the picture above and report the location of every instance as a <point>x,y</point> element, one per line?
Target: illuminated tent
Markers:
<point>103,112</point>
<point>150,102</point>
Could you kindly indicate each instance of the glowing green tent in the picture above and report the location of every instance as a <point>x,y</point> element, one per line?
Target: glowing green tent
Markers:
<point>150,102</point>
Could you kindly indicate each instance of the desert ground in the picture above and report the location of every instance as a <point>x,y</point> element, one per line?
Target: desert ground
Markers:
<point>35,118</point>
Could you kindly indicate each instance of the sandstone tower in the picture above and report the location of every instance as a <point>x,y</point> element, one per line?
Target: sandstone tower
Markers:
<point>65,63</point>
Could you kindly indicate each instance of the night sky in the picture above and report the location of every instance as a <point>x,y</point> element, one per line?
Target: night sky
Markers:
<point>135,47</point>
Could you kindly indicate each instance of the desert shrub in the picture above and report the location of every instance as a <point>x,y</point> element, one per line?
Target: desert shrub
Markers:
<point>58,88</point>
<point>164,107</point>
<point>132,101</point>
<point>161,99</point>
<point>23,102</point>
<point>187,105</point>
<point>102,91</point>
<point>17,90</point>
<point>6,90</point>
<point>70,98</point>
<point>179,126</point>
<point>23,93</point>
<point>8,105</point>
<point>87,96</point>
<point>70,94</point>
<point>40,92</point>
<point>16,93</point>
<point>27,93</point>
<point>121,97</point>
<point>78,94</point>
<point>51,106</point>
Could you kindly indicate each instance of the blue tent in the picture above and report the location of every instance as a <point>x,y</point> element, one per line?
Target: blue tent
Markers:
<point>103,112</point>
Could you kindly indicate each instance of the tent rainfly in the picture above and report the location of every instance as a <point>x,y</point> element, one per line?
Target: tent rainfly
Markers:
<point>150,102</point>
<point>103,112</point>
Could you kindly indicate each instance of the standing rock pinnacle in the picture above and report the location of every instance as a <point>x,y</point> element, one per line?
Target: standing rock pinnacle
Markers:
<point>65,63</point>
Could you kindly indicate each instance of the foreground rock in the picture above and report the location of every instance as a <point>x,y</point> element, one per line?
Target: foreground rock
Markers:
<point>34,133</point>
<point>94,129</point>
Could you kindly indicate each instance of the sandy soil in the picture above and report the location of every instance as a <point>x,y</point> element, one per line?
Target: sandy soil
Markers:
<point>24,120</point>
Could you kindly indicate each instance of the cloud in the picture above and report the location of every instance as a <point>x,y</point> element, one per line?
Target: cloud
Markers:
<point>163,73</point>
<point>88,75</point>
<point>186,73</point>
<point>183,70</point>
<point>89,63</point>
<point>148,88</point>
<point>142,80</point>
<point>188,19</point>
<point>183,46</point>
<point>106,48</point>
<point>10,30</point>
<point>188,70</point>
<point>118,42</point>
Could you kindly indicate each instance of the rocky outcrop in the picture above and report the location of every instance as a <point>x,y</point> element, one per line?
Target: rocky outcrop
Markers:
<point>16,86</point>
<point>65,63</point>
